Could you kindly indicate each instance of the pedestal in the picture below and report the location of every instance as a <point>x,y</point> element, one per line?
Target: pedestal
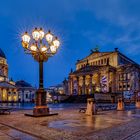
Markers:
<point>120,106</point>
<point>91,107</point>
<point>41,108</point>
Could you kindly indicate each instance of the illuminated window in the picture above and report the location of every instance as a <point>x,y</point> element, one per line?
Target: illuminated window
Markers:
<point>128,76</point>
<point>1,78</point>
<point>124,76</point>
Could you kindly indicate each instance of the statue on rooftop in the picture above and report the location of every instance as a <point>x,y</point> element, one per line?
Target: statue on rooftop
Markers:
<point>96,49</point>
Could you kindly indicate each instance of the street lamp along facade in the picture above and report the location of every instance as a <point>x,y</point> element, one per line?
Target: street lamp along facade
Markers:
<point>41,46</point>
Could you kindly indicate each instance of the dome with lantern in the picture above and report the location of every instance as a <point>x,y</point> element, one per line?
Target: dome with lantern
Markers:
<point>2,55</point>
<point>3,66</point>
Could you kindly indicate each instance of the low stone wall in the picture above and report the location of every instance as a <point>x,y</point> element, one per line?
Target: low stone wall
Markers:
<point>99,96</point>
<point>106,97</point>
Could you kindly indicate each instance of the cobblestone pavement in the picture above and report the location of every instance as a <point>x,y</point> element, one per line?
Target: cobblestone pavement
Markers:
<point>8,133</point>
<point>72,125</point>
<point>133,136</point>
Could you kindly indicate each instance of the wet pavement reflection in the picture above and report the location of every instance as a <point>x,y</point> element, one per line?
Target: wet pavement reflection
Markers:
<point>70,124</point>
<point>79,121</point>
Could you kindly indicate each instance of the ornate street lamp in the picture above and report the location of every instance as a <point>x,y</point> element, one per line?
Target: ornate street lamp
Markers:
<point>41,46</point>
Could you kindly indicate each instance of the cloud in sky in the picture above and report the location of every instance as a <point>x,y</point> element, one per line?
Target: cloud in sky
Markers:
<point>81,24</point>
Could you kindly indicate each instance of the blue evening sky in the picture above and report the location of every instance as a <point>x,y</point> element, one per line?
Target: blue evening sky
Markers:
<point>80,25</point>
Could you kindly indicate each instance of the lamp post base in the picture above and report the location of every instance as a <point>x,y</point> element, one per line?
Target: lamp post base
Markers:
<point>40,111</point>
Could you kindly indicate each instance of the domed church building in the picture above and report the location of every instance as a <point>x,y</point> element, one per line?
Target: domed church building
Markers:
<point>8,90</point>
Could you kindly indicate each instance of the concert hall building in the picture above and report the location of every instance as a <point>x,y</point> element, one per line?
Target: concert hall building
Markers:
<point>104,72</point>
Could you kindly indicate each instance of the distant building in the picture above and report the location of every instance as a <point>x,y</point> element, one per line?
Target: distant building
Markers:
<point>55,93</point>
<point>25,91</point>
<point>104,72</point>
<point>57,89</point>
<point>11,91</point>
<point>8,91</point>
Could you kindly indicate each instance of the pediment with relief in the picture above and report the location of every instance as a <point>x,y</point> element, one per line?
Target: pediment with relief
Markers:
<point>96,55</point>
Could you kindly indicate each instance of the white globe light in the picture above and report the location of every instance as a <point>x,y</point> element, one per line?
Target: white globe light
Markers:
<point>33,47</point>
<point>26,38</point>
<point>56,43</point>
<point>53,49</point>
<point>36,34</point>
<point>41,33</point>
<point>43,48</point>
<point>49,37</point>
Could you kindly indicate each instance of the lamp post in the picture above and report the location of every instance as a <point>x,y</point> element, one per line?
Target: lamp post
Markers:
<point>41,46</point>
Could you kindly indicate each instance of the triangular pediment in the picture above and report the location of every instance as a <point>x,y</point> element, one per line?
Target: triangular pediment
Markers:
<point>95,55</point>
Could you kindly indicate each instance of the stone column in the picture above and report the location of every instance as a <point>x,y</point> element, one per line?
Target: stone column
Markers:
<point>77,78</point>
<point>69,86</point>
<point>0,95</point>
<point>83,86</point>
<point>90,84</point>
<point>108,79</point>
<point>23,92</point>
<point>114,83</point>
<point>99,84</point>
<point>72,86</point>
<point>30,96</point>
<point>12,95</point>
<point>7,94</point>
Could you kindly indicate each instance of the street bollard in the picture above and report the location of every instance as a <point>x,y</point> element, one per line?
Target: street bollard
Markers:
<point>91,107</point>
<point>120,106</point>
<point>138,103</point>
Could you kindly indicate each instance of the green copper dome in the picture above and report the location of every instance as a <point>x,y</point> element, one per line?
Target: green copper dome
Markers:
<point>2,54</point>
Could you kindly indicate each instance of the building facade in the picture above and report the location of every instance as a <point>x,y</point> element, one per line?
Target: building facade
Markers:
<point>25,91</point>
<point>104,72</point>
<point>9,90</point>
<point>55,93</point>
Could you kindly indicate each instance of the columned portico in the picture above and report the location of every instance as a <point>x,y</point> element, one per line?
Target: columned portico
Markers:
<point>95,80</point>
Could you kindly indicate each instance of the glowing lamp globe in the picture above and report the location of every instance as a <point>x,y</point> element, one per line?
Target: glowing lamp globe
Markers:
<point>41,33</point>
<point>56,42</point>
<point>36,34</point>
<point>33,47</point>
<point>49,37</point>
<point>26,38</point>
<point>43,48</point>
<point>53,49</point>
